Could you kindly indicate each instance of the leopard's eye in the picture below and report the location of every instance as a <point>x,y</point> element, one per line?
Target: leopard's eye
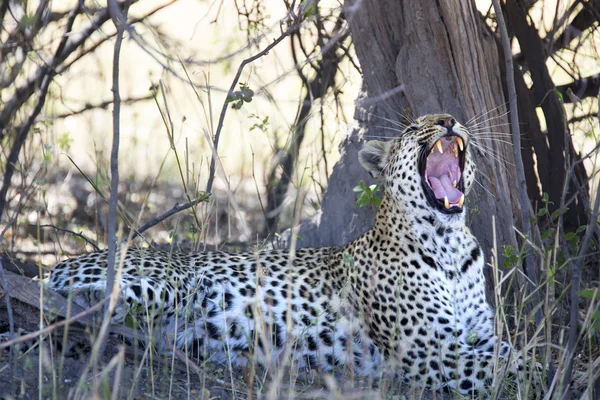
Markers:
<point>411,128</point>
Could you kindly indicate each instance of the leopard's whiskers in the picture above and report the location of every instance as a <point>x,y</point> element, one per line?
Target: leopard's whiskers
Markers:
<point>391,121</point>
<point>495,155</point>
<point>481,184</point>
<point>481,118</point>
<point>484,113</point>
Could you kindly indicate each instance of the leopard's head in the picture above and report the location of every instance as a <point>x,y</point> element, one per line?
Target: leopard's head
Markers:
<point>428,163</point>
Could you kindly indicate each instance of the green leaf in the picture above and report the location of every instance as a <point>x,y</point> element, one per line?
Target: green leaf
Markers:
<point>362,200</point>
<point>348,259</point>
<point>596,317</point>
<point>547,233</point>
<point>588,293</point>
<point>247,94</point>
<point>472,338</point>
<point>581,229</point>
<point>555,214</point>
<point>310,9</point>
<point>542,212</point>
<point>570,235</point>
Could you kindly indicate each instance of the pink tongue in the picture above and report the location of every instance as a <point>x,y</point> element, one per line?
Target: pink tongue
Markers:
<point>443,187</point>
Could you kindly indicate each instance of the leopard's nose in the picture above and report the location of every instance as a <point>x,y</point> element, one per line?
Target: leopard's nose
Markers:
<point>446,122</point>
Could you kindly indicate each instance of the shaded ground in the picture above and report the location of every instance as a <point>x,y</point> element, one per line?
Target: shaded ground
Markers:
<point>53,367</point>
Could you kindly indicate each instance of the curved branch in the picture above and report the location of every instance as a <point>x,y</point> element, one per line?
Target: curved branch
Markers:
<point>580,89</point>
<point>584,20</point>
<point>25,91</point>
<point>247,61</point>
<point>13,157</point>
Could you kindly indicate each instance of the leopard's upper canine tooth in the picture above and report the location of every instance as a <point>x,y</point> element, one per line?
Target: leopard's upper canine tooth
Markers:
<point>454,183</point>
<point>438,145</point>
<point>461,145</point>
<point>461,200</point>
<point>446,202</point>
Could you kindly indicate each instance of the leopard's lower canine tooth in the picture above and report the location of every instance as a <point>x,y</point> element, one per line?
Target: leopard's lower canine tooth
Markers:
<point>438,145</point>
<point>446,202</point>
<point>461,145</point>
<point>461,200</point>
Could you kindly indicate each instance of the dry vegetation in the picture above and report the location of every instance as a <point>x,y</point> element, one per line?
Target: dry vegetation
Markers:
<point>276,126</point>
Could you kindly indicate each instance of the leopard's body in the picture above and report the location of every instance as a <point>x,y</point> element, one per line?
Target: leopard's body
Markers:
<point>407,296</point>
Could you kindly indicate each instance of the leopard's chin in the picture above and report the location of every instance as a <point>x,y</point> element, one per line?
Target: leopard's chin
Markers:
<point>441,168</point>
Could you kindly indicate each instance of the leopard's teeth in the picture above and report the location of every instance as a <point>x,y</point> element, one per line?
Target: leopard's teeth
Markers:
<point>461,145</point>
<point>438,145</point>
<point>446,202</point>
<point>454,183</point>
<point>461,200</point>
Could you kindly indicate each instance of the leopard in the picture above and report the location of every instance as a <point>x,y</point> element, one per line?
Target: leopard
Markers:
<point>407,297</point>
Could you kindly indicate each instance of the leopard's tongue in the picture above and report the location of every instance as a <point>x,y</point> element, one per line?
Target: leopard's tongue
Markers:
<point>442,170</point>
<point>442,187</point>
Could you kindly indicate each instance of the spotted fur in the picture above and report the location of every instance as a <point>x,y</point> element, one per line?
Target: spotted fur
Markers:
<point>407,296</point>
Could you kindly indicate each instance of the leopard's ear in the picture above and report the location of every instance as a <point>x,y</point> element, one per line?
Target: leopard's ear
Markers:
<point>374,157</point>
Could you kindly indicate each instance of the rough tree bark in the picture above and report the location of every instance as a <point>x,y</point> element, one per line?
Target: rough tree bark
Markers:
<point>419,57</point>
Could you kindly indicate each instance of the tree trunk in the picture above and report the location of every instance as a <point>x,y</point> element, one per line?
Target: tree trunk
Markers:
<point>420,57</point>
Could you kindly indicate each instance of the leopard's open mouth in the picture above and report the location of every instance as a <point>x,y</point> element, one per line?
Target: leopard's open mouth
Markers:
<point>441,170</point>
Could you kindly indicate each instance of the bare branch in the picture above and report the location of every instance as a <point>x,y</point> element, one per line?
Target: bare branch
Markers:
<point>583,117</point>
<point>24,129</point>
<point>79,235</point>
<point>524,204</point>
<point>325,71</point>
<point>247,61</point>
<point>580,89</point>
<point>176,208</point>
<point>585,19</point>
<point>560,149</point>
<point>68,45</point>
<point>104,105</point>
<point>119,20</point>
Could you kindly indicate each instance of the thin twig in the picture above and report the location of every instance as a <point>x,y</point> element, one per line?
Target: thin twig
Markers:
<point>524,204</point>
<point>103,105</point>
<point>71,42</point>
<point>119,20</point>
<point>79,235</point>
<point>247,61</point>
<point>176,208</point>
